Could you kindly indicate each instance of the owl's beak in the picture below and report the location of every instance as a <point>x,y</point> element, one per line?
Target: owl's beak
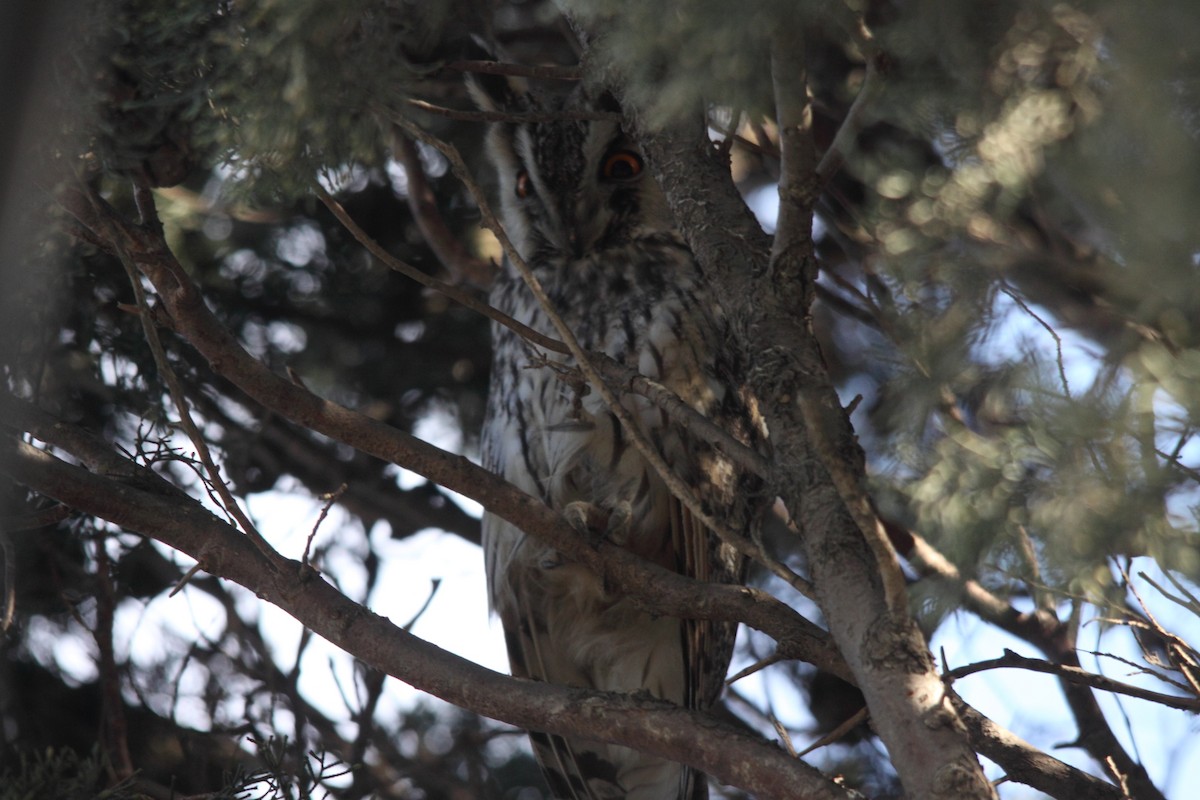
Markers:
<point>583,229</point>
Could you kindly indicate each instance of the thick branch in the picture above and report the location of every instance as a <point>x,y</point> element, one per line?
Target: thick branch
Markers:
<point>654,588</point>
<point>655,726</point>
<point>883,646</point>
<point>1024,763</point>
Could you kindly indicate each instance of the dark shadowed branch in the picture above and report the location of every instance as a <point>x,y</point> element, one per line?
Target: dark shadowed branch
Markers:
<point>154,509</point>
<point>1011,660</point>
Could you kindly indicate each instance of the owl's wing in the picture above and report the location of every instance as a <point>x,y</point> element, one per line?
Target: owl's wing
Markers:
<point>548,637</point>
<point>708,645</point>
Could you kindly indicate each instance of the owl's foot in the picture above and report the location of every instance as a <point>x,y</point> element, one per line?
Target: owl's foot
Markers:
<point>598,524</point>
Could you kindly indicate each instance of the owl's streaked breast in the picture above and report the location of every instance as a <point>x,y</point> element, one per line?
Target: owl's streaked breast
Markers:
<point>596,232</point>
<point>637,305</point>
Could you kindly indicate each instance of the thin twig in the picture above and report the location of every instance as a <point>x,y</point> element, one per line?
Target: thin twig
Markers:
<point>463,115</point>
<point>185,579</point>
<point>783,733</point>
<point>145,202</point>
<point>434,585</point>
<point>1136,667</point>
<point>757,666</point>
<point>675,486</point>
<point>330,499</point>
<point>1058,345</point>
<point>453,292</point>
<point>461,264</point>
<point>548,71</point>
<point>1077,675</point>
<point>856,719</point>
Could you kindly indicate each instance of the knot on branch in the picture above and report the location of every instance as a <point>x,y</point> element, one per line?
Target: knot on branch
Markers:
<point>960,778</point>
<point>891,643</point>
<point>773,376</point>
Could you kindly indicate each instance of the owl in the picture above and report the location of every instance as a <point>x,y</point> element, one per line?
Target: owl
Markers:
<point>582,210</point>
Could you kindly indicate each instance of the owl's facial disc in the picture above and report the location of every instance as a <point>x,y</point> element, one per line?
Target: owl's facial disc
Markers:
<point>579,185</point>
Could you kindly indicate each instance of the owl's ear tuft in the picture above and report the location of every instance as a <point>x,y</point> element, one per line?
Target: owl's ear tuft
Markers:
<point>497,93</point>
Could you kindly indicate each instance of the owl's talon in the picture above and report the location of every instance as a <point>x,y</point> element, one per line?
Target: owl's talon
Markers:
<point>586,518</point>
<point>617,529</point>
<point>577,515</point>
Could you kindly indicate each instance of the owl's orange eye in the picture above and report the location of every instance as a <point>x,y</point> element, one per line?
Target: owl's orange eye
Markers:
<point>524,184</point>
<point>623,165</point>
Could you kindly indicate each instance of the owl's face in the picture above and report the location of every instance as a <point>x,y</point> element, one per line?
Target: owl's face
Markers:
<point>574,189</point>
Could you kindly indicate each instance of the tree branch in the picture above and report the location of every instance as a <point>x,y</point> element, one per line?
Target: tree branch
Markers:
<point>680,490</point>
<point>1011,660</point>
<point>654,726</point>
<point>441,240</point>
<point>547,71</point>
<point>1024,763</point>
<point>652,587</point>
<point>1045,631</point>
<point>453,292</point>
<point>882,645</point>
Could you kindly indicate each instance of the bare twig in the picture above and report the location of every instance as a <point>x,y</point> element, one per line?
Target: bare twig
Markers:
<point>509,116</point>
<point>434,585</point>
<point>145,203</point>
<point>330,499</point>
<point>1011,660</point>
<point>441,240</point>
<point>654,726</point>
<point>757,666</point>
<point>453,292</point>
<point>677,487</point>
<point>847,725</point>
<point>1046,326</point>
<point>1136,667</point>
<point>547,71</point>
<point>185,579</point>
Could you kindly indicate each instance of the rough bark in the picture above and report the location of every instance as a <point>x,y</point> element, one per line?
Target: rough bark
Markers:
<point>767,301</point>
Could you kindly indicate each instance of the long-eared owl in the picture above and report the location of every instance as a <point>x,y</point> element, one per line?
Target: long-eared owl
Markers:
<point>585,214</point>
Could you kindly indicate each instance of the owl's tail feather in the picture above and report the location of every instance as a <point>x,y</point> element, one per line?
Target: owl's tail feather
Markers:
<point>587,770</point>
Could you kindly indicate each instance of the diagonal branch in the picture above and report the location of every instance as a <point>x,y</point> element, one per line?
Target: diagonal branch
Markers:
<point>655,726</point>
<point>680,490</point>
<point>649,585</point>
<point>459,263</point>
<point>1077,675</point>
<point>174,387</point>
<point>453,292</point>
<point>770,328</point>
<point>1024,763</point>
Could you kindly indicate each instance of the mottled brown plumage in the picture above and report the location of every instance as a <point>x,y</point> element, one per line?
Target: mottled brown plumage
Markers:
<point>590,221</point>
